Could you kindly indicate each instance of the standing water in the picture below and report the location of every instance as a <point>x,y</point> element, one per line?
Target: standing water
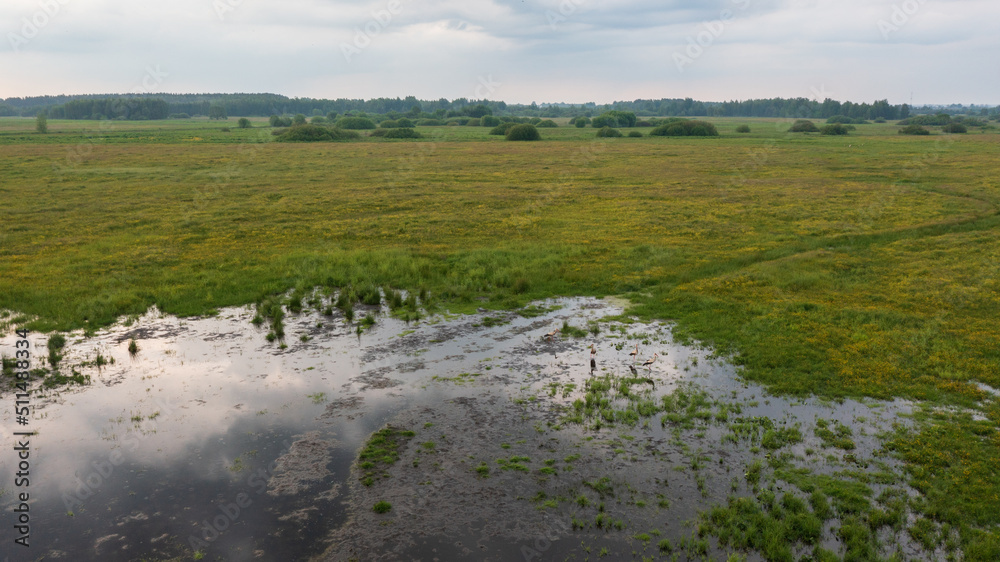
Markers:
<point>212,442</point>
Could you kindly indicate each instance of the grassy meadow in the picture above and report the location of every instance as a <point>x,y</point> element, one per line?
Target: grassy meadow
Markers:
<point>857,266</point>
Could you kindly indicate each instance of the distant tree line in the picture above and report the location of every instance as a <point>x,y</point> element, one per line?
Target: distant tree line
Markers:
<point>111,108</point>
<point>151,106</point>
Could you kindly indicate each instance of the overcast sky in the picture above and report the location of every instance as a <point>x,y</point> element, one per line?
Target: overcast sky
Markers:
<point>937,51</point>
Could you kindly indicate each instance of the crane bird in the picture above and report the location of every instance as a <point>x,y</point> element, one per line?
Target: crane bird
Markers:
<point>551,334</point>
<point>647,364</point>
<point>634,353</point>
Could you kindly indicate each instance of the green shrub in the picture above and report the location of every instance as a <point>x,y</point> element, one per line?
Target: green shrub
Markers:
<point>396,123</point>
<point>474,122</point>
<point>914,130</point>
<point>548,123</point>
<point>581,122</point>
<point>243,123</point>
<point>685,128</point>
<point>355,123</point>
<point>503,128</point>
<point>615,118</point>
<point>489,121</point>
<point>55,344</point>
<point>299,119</point>
<point>833,129</point>
<point>941,119</point>
<point>954,128</point>
<point>845,120</point>
<point>534,120</point>
<point>602,121</point>
<point>315,133</point>
<point>743,129</point>
<point>609,132</point>
<point>804,126</point>
<point>317,120</point>
<point>401,133</point>
<point>277,121</point>
<point>523,132</point>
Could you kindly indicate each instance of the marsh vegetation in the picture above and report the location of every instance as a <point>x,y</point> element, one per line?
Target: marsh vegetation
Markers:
<point>840,268</point>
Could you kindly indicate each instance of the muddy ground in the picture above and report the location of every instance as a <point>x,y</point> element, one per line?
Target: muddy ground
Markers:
<point>500,466</point>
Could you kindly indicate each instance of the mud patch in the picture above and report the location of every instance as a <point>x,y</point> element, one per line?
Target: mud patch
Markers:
<point>337,406</point>
<point>303,467</point>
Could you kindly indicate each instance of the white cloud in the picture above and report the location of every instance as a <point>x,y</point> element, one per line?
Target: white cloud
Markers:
<point>594,50</point>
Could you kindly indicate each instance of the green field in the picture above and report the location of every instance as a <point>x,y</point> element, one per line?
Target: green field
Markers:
<point>865,265</point>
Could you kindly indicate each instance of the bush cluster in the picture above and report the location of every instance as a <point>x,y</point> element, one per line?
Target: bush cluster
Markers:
<point>939,120</point>
<point>845,120</point>
<point>614,118</point>
<point>314,133</point>
<point>914,130</point>
<point>803,126</point>
<point>355,123</point>
<point>609,132</point>
<point>396,123</point>
<point>502,128</point>
<point>397,133</point>
<point>685,128</point>
<point>834,129</point>
<point>278,121</point>
<point>523,132</point>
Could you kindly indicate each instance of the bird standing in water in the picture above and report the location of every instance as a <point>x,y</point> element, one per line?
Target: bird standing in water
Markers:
<point>635,353</point>
<point>593,358</point>
<point>647,364</point>
<point>551,334</point>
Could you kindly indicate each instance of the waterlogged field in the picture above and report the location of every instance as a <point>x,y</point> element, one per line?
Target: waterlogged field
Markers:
<point>849,267</point>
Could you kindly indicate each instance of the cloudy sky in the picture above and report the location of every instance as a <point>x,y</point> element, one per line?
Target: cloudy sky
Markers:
<point>930,51</point>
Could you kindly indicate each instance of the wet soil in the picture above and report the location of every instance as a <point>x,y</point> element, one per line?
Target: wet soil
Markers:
<point>214,440</point>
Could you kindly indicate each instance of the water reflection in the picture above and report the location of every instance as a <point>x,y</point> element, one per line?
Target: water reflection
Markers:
<point>214,439</point>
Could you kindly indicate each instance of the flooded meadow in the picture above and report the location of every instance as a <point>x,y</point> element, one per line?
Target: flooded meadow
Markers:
<point>488,436</point>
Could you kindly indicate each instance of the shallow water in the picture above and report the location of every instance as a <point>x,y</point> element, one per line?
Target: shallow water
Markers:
<point>214,439</point>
